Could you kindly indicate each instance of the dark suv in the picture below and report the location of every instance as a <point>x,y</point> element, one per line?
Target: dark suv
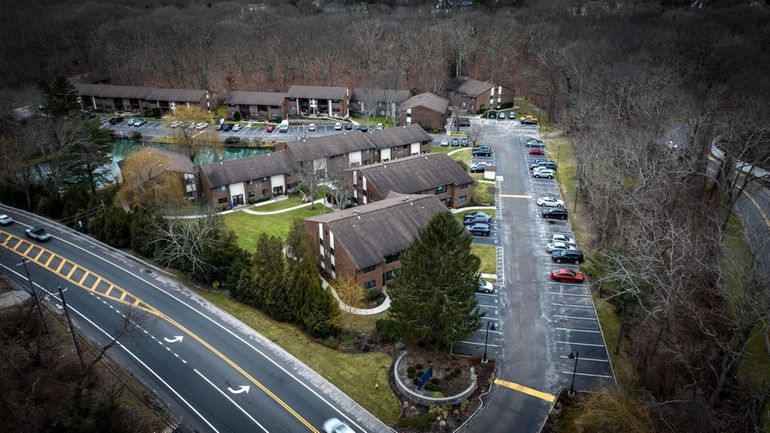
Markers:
<point>570,256</point>
<point>543,163</point>
<point>482,151</point>
<point>555,213</point>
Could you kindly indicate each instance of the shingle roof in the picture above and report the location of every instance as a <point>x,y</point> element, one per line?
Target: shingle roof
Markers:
<point>415,174</point>
<point>330,145</point>
<point>139,92</point>
<point>468,86</point>
<point>371,232</point>
<point>399,136</point>
<point>429,100</point>
<point>240,170</point>
<point>177,95</point>
<point>317,92</point>
<point>380,95</point>
<point>255,98</point>
<point>89,78</point>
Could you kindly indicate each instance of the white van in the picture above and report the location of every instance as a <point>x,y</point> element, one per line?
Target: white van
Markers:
<point>283,126</point>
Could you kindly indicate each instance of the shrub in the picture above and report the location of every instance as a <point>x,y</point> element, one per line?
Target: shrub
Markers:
<point>418,366</point>
<point>481,110</point>
<point>387,331</point>
<point>421,421</point>
<point>233,140</point>
<point>155,113</point>
<point>136,136</point>
<point>410,372</point>
<point>237,115</point>
<point>457,371</point>
<point>434,381</point>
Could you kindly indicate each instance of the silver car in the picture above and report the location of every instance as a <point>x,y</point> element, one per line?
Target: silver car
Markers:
<point>5,220</point>
<point>333,425</point>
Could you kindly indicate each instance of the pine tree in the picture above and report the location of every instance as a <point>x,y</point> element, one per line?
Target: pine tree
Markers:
<point>433,300</point>
<point>61,97</point>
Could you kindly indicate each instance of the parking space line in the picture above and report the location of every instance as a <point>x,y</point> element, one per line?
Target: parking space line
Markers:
<point>572,305</point>
<point>478,344</point>
<point>515,196</point>
<point>566,294</point>
<point>487,306</point>
<point>575,317</point>
<point>586,374</point>
<point>579,344</point>
<point>567,284</point>
<point>526,390</point>
<point>577,330</point>
<point>585,359</point>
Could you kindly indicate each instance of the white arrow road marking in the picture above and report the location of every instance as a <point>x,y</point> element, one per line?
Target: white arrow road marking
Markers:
<point>177,339</point>
<point>242,389</point>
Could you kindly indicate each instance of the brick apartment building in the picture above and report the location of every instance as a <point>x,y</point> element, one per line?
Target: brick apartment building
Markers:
<point>108,97</point>
<point>434,174</point>
<point>471,95</point>
<point>239,181</point>
<point>426,109</point>
<point>365,242</point>
<point>317,101</point>
<point>255,105</point>
<point>377,102</point>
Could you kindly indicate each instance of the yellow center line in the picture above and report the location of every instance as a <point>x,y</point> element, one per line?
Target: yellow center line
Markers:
<point>139,304</point>
<point>515,196</point>
<point>759,209</point>
<point>526,390</point>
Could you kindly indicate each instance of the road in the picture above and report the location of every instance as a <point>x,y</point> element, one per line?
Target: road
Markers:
<point>540,322</point>
<point>214,373</point>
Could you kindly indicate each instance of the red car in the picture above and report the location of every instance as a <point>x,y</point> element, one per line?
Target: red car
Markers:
<point>567,276</point>
<point>270,128</point>
<point>536,151</point>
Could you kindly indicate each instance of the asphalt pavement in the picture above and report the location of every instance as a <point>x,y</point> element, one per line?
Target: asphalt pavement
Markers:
<point>214,373</point>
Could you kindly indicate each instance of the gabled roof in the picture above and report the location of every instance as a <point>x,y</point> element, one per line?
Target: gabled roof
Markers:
<point>371,232</point>
<point>238,97</point>
<point>330,145</point>
<point>380,95</point>
<point>428,100</point>
<point>399,136</point>
<point>89,78</point>
<point>468,86</point>
<point>177,95</point>
<point>317,92</point>
<point>112,91</point>
<point>415,174</point>
<point>240,170</point>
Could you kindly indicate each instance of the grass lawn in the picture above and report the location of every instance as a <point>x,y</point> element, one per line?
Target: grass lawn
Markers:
<point>610,323</point>
<point>249,227</point>
<point>442,149</point>
<point>293,200</point>
<point>463,155</point>
<point>354,374</point>
<point>374,120</point>
<point>483,194</point>
<point>488,256</point>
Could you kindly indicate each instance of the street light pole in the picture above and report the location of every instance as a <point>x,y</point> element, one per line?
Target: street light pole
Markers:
<point>484,360</point>
<point>34,294</point>
<point>574,354</point>
<point>72,329</point>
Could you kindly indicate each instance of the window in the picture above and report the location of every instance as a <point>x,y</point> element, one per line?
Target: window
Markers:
<point>222,200</point>
<point>332,268</point>
<point>370,285</point>
<point>321,241</point>
<point>441,189</point>
<point>331,251</point>
<point>387,276</point>
<point>369,269</point>
<point>252,194</point>
<point>465,186</point>
<point>462,199</point>
<point>391,258</point>
<point>222,188</point>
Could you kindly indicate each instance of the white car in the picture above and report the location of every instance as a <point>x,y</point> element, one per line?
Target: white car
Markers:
<point>237,127</point>
<point>333,425</point>
<point>176,124</point>
<point>201,125</point>
<point>444,142</point>
<point>379,127</point>
<point>550,202</point>
<point>485,286</point>
<point>311,127</point>
<point>553,246</point>
<point>130,122</point>
<point>338,127</point>
<point>558,237</point>
<point>545,173</point>
<point>5,220</point>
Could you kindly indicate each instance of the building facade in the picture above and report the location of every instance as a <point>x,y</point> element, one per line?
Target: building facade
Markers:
<point>471,95</point>
<point>108,97</point>
<point>426,109</point>
<point>317,101</point>
<point>255,105</point>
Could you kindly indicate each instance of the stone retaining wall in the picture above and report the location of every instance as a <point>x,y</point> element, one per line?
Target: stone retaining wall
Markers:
<point>427,400</point>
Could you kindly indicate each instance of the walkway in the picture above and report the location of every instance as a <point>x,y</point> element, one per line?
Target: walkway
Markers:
<point>467,208</point>
<point>452,152</point>
<point>358,311</point>
<point>288,209</point>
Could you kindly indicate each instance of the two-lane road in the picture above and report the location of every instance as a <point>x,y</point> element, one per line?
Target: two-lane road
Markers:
<point>214,373</point>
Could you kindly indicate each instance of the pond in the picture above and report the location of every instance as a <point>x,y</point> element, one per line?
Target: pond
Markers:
<point>207,155</point>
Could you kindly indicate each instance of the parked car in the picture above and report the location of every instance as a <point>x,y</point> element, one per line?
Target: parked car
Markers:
<point>478,167</point>
<point>455,142</point>
<point>476,213</point>
<point>528,138</point>
<point>37,233</point>
<point>554,246</point>
<point>178,123</point>
<point>464,142</point>
<point>115,120</point>
<point>379,127</point>
<point>226,127</point>
<point>311,127</point>
<point>464,122</point>
<point>567,256</point>
<point>543,163</point>
<point>558,237</point>
<point>479,229</point>
<point>555,213</point>
<point>511,116</point>
<point>130,122</point>
<point>502,116</point>
<point>189,125</point>
<point>485,286</point>
<point>482,151</point>
<point>444,142</point>
<point>333,425</point>
<point>543,173</point>
<point>485,219</point>
<point>236,127</point>
<point>534,144</point>
<point>363,128</point>
<point>567,276</point>
<point>5,220</point>
<point>529,120</point>
<point>139,122</point>
<point>338,126</point>
<point>271,128</point>
<point>536,151</point>
<point>491,115</point>
<point>348,126</point>
<point>201,125</point>
<point>550,202</point>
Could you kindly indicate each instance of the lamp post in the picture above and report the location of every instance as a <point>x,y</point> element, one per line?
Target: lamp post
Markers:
<point>574,354</point>
<point>32,292</point>
<point>484,360</point>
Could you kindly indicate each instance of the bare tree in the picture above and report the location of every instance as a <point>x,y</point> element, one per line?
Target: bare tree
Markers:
<point>181,241</point>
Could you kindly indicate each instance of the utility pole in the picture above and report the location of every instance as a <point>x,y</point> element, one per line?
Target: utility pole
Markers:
<point>34,294</point>
<point>72,329</point>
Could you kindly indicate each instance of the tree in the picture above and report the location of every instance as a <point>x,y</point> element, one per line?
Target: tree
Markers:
<point>309,177</point>
<point>90,155</point>
<point>265,273</point>
<point>148,184</point>
<point>61,97</point>
<point>188,138</point>
<point>341,185</point>
<point>433,299</point>
<point>181,242</point>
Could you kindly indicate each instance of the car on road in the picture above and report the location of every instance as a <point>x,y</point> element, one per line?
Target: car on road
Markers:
<point>271,128</point>
<point>201,125</point>
<point>553,246</point>
<point>37,233</point>
<point>333,425</point>
<point>558,237</point>
<point>550,202</point>
<point>311,127</point>
<point>236,127</point>
<point>482,151</point>
<point>115,120</point>
<point>480,229</point>
<point>338,126</point>
<point>5,220</point>
<point>478,167</point>
<point>379,127</point>
<point>567,276</point>
<point>511,116</point>
<point>543,173</point>
<point>485,286</point>
<point>139,122</point>
<point>476,219</point>
<point>567,256</point>
<point>555,213</point>
<point>537,151</point>
<point>444,142</point>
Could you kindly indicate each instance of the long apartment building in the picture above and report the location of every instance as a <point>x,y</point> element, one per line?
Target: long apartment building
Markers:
<point>109,97</point>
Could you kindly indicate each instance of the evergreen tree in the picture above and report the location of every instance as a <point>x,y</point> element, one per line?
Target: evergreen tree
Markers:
<point>61,97</point>
<point>265,273</point>
<point>433,300</point>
